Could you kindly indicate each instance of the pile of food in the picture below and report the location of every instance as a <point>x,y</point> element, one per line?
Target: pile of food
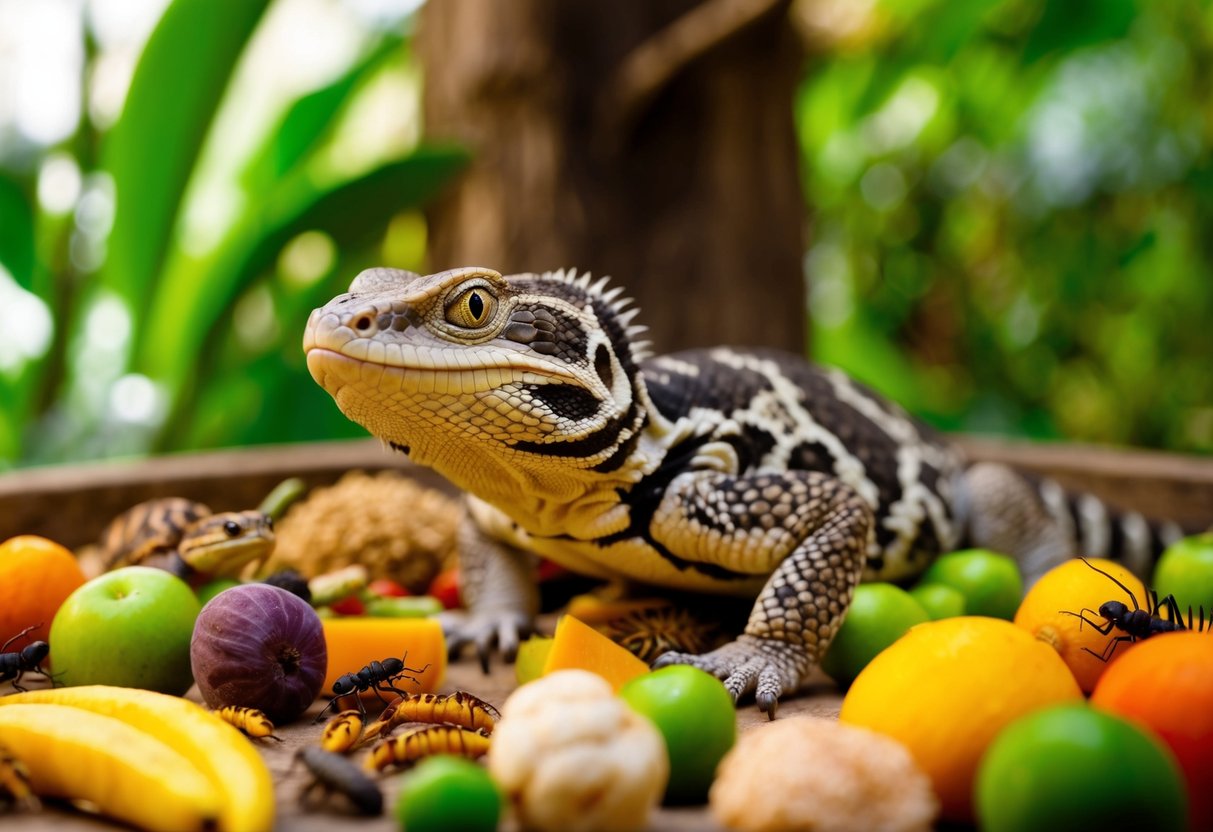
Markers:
<point>1086,702</point>
<point>385,522</point>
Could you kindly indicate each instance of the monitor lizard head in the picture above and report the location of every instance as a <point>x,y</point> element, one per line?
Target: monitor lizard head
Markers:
<point>530,378</point>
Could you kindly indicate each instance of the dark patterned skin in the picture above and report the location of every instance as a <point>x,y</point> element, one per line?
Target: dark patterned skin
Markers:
<point>741,472</point>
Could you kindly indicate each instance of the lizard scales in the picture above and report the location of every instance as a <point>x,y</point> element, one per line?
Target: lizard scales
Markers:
<point>745,472</point>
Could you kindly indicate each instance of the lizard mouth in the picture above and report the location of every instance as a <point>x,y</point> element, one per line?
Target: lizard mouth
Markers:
<point>334,369</point>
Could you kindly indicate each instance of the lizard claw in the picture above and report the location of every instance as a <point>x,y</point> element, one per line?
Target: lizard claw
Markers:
<point>766,667</point>
<point>503,630</point>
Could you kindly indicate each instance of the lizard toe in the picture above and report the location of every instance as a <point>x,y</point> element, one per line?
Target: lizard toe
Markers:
<point>486,631</point>
<point>766,667</point>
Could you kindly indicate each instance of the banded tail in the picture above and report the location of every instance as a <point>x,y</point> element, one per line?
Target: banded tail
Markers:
<point>1041,524</point>
<point>1099,530</point>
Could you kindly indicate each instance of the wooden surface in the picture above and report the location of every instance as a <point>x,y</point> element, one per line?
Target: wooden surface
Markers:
<point>820,699</point>
<point>72,504</point>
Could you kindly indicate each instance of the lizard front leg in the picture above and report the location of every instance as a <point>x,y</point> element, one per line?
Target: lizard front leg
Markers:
<point>497,584</point>
<point>815,528</point>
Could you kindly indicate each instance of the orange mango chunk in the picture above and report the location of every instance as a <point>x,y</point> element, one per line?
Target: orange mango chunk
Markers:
<point>577,645</point>
<point>355,642</point>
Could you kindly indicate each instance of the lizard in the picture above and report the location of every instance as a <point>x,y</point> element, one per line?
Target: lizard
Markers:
<point>738,472</point>
<point>184,537</point>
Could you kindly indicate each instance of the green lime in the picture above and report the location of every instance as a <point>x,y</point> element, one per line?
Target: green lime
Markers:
<point>990,582</point>
<point>532,656</point>
<point>879,614</point>
<point>1185,570</point>
<point>1070,767</point>
<point>212,588</point>
<point>939,600</point>
<point>697,718</point>
<point>446,792</point>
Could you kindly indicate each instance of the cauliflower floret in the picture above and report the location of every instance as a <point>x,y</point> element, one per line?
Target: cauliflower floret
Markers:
<point>572,756</point>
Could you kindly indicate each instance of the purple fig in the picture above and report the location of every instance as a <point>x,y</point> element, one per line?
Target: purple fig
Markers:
<point>259,646</point>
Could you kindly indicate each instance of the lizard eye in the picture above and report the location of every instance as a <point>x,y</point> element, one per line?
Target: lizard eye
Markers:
<point>473,308</point>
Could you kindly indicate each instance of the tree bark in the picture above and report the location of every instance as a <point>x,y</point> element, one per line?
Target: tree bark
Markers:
<point>652,141</point>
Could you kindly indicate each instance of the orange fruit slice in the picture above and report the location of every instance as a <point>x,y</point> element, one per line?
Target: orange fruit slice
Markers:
<point>1047,612</point>
<point>945,690</point>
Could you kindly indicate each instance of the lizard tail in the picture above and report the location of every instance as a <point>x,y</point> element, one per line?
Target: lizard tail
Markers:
<point>1039,523</point>
<point>1099,530</point>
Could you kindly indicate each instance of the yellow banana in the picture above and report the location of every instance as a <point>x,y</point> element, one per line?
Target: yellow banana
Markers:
<point>127,774</point>
<point>219,751</point>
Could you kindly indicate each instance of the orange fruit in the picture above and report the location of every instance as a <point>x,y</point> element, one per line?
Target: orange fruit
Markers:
<point>1070,588</point>
<point>1166,684</point>
<point>36,575</point>
<point>945,690</point>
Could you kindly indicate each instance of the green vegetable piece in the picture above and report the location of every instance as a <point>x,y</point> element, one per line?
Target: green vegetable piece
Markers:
<point>413,606</point>
<point>1073,767</point>
<point>696,717</point>
<point>880,613</point>
<point>445,793</point>
<point>939,600</point>
<point>990,582</point>
<point>532,656</point>
<point>1185,570</point>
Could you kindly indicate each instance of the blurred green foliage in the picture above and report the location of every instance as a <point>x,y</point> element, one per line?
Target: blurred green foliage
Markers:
<point>1011,204</point>
<point>156,340</point>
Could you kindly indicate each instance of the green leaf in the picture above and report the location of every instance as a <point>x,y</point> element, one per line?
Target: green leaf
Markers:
<point>151,152</point>
<point>1068,25</point>
<point>16,232</point>
<point>310,119</point>
<point>193,296</point>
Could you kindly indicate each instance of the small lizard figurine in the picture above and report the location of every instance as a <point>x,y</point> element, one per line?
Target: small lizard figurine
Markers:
<point>728,471</point>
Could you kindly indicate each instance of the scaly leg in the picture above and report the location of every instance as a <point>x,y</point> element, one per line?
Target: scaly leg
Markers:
<point>497,583</point>
<point>817,527</point>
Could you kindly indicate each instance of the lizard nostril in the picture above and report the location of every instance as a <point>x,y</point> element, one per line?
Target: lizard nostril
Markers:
<point>363,323</point>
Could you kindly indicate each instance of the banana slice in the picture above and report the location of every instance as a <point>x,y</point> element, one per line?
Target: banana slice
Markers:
<point>124,772</point>
<point>231,763</point>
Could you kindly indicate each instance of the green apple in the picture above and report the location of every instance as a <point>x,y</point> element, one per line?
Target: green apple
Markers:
<point>880,613</point>
<point>1185,570</point>
<point>990,582</point>
<point>697,718</point>
<point>130,628</point>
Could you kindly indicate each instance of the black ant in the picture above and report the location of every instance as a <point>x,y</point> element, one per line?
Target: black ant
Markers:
<point>376,676</point>
<point>28,659</point>
<point>1136,624</point>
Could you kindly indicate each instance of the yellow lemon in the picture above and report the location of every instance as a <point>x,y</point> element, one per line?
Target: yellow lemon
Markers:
<point>1051,609</point>
<point>947,688</point>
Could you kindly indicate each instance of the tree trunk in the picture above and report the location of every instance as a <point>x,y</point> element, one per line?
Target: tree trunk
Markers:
<point>652,141</point>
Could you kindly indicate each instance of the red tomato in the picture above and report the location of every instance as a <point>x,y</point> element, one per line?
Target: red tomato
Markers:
<point>351,605</point>
<point>445,587</point>
<point>550,571</point>
<point>387,588</point>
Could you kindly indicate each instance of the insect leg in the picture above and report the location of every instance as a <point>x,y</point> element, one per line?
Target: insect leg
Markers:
<point>25,632</point>
<point>1114,580</point>
<point>1106,655</point>
<point>1102,629</point>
